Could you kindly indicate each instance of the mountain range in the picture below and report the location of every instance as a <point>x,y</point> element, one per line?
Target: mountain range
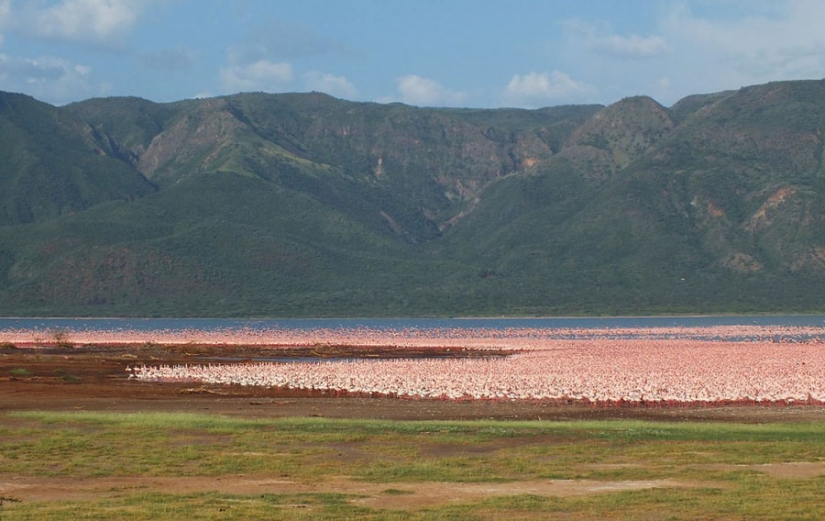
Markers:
<point>287,205</point>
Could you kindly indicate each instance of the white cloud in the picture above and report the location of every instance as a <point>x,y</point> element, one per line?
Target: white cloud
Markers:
<point>50,79</point>
<point>633,46</point>
<point>97,21</point>
<point>261,75</point>
<point>537,89</point>
<point>700,46</point>
<point>338,86</point>
<point>784,43</point>
<point>416,90</point>
<point>58,80</point>
<point>599,38</point>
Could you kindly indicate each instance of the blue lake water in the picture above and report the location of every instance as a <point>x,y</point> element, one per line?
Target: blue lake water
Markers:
<point>150,324</point>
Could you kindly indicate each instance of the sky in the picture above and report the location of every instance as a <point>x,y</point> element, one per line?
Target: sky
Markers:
<point>443,53</point>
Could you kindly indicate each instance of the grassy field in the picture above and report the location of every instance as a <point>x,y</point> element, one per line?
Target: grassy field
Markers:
<point>193,466</point>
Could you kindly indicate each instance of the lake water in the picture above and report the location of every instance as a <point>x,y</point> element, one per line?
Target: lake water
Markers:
<point>153,324</point>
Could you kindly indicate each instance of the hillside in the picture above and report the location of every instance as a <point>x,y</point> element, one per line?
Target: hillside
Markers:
<point>54,164</point>
<point>306,205</point>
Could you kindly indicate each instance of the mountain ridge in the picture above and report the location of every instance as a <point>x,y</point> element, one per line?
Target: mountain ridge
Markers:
<point>305,205</point>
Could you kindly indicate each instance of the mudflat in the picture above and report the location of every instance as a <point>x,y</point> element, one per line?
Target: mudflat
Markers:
<point>96,378</point>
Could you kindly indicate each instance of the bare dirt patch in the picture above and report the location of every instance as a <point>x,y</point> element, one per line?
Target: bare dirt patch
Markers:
<point>401,496</point>
<point>787,470</point>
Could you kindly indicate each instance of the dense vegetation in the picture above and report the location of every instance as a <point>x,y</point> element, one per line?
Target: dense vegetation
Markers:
<point>305,205</point>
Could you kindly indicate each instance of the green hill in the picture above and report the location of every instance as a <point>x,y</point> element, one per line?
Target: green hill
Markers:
<point>54,164</point>
<point>306,205</point>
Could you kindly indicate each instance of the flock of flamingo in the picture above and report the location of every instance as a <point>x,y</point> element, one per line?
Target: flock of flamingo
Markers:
<point>666,366</point>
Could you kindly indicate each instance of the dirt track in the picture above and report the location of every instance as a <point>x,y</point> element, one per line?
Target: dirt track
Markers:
<point>96,378</point>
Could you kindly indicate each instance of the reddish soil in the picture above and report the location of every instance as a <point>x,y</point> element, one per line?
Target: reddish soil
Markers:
<point>96,378</point>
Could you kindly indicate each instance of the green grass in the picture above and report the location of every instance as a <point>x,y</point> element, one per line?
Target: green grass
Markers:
<point>719,465</point>
<point>207,506</point>
<point>674,504</point>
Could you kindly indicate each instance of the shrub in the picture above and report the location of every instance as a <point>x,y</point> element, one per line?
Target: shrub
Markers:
<point>61,339</point>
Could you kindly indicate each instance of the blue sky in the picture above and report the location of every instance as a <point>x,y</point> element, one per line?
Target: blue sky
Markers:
<point>457,53</point>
